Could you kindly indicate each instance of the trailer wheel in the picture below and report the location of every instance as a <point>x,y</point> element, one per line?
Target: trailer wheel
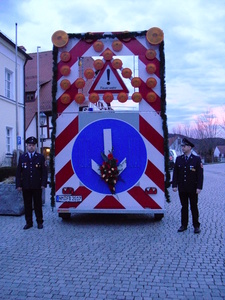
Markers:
<point>158,217</point>
<point>65,216</point>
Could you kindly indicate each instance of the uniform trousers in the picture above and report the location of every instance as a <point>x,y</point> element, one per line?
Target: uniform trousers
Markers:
<point>30,197</point>
<point>193,197</point>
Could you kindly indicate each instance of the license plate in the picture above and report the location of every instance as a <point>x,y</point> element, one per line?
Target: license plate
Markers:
<point>68,198</point>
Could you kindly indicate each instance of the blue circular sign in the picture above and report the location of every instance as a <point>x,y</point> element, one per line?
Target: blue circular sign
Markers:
<point>127,145</point>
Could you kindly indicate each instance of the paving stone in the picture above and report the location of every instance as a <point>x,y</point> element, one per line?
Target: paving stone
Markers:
<point>117,257</point>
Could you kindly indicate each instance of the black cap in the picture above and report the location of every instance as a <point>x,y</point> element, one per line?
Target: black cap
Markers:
<point>31,140</point>
<point>187,143</point>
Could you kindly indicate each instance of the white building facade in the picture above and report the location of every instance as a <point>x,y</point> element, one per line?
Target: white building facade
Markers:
<point>12,114</point>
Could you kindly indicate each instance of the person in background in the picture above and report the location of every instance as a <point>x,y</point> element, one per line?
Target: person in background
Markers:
<point>188,180</point>
<point>31,178</point>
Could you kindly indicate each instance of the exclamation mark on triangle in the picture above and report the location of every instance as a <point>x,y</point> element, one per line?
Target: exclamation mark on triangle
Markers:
<point>108,76</point>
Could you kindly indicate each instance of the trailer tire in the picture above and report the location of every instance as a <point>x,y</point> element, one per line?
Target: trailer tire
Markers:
<point>65,216</point>
<point>158,217</point>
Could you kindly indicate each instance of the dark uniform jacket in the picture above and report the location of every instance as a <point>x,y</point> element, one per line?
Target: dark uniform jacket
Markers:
<point>188,176</point>
<point>31,173</point>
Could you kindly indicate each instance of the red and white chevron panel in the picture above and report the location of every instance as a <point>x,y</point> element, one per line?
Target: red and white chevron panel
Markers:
<point>147,195</point>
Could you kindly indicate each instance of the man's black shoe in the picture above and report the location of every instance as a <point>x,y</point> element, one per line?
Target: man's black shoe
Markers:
<point>40,226</point>
<point>182,228</point>
<point>27,226</point>
<point>197,230</point>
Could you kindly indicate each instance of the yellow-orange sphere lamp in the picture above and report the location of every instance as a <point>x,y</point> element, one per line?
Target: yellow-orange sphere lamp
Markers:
<point>98,64</point>
<point>60,38</point>
<point>93,97</point>
<point>122,97</point>
<point>154,35</point>
<point>151,97</point>
<point>108,97</point>
<point>79,83</point>
<point>136,82</point>
<point>79,98</point>
<point>117,63</point>
<point>98,46</point>
<point>89,73</point>
<point>126,73</point>
<point>65,84</point>
<point>136,97</point>
<point>151,82</point>
<point>65,99</point>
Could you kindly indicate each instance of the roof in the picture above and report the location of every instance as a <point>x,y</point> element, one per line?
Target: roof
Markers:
<point>19,49</point>
<point>171,140</point>
<point>221,149</point>
<point>45,79</point>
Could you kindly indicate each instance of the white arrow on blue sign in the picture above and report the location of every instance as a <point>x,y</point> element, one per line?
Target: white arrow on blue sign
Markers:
<point>128,148</point>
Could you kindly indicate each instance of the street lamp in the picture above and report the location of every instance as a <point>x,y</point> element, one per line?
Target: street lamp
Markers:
<point>42,118</point>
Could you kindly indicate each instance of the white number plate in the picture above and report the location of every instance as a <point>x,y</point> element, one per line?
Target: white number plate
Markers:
<point>68,198</point>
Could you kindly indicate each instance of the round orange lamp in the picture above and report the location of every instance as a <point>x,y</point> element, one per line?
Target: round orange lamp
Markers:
<point>151,97</point>
<point>79,98</point>
<point>108,97</point>
<point>107,54</point>
<point>117,63</point>
<point>65,70</point>
<point>122,97</point>
<point>65,84</point>
<point>65,56</point>
<point>151,82</point>
<point>93,97</point>
<point>60,38</point>
<point>65,98</point>
<point>150,54</point>
<point>89,73</point>
<point>79,83</point>
<point>136,82</point>
<point>117,45</point>
<point>136,97</point>
<point>98,46</point>
<point>126,73</point>
<point>98,64</point>
<point>150,68</point>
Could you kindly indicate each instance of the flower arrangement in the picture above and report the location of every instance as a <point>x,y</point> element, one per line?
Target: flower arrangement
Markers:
<point>109,171</point>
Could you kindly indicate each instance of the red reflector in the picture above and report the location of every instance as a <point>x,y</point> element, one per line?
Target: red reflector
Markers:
<point>67,190</point>
<point>151,190</point>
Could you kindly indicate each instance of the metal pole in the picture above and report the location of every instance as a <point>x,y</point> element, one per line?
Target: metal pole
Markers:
<point>38,101</point>
<point>16,98</point>
<point>42,123</point>
<point>42,139</point>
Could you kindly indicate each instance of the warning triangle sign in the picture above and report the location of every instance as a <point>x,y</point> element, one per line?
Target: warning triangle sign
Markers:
<point>108,80</point>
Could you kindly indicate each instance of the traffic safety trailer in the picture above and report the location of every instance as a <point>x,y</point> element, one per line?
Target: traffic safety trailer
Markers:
<point>109,122</point>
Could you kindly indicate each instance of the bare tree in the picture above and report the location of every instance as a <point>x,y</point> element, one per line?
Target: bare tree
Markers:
<point>178,129</point>
<point>206,128</point>
<point>222,124</point>
<point>181,129</point>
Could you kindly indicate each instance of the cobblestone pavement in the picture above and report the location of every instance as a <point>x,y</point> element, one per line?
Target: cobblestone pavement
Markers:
<point>118,257</point>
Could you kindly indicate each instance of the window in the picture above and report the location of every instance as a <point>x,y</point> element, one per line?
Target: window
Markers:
<point>8,140</point>
<point>30,97</point>
<point>8,84</point>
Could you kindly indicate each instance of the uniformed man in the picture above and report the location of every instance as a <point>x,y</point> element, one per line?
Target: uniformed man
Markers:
<point>188,180</point>
<point>31,178</point>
